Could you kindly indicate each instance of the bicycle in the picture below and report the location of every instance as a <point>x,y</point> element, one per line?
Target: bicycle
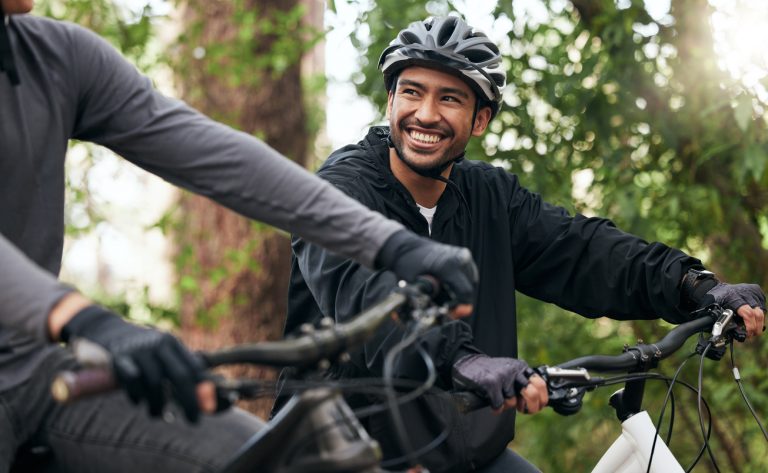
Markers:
<point>639,448</point>
<point>316,431</point>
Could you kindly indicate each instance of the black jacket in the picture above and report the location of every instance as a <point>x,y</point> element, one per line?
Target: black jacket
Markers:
<point>519,242</point>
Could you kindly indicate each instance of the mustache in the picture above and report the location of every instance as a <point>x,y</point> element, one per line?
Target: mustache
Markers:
<point>410,121</point>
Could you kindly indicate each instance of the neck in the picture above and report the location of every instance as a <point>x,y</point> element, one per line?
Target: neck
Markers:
<point>424,190</point>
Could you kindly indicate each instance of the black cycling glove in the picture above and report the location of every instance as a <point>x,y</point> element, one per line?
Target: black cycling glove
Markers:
<point>410,256</point>
<point>495,378</point>
<point>701,288</point>
<point>145,361</point>
<point>733,296</point>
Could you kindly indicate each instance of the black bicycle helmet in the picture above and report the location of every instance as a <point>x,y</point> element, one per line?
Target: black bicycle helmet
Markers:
<point>450,44</point>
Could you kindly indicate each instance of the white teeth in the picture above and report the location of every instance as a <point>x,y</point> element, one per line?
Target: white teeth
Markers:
<point>424,137</point>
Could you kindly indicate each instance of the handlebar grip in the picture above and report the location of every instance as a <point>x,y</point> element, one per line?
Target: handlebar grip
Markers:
<point>467,401</point>
<point>69,386</point>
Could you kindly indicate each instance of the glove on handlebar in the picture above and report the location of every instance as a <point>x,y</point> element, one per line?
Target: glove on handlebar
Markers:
<point>733,296</point>
<point>410,256</point>
<point>144,359</point>
<point>495,378</point>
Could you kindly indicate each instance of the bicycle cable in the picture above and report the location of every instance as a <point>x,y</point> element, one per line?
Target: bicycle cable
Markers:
<point>397,419</point>
<point>701,417</point>
<point>669,396</point>
<point>737,378</point>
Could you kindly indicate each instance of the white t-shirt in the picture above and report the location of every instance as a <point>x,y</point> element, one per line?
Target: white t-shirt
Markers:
<point>429,214</point>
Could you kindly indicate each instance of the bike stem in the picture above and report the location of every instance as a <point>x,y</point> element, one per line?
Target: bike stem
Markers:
<point>628,400</point>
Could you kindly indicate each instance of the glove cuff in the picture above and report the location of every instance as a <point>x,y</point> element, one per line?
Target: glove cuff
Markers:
<point>86,320</point>
<point>394,247</point>
<point>694,287</point>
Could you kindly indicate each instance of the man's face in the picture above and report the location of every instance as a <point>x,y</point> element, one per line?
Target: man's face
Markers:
<point>17,6</point>
<point>430,117</point>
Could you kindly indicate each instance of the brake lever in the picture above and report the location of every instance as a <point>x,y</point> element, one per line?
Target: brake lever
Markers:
<point>420,307</point>
<point>566,387</point>
<point>728,326</point>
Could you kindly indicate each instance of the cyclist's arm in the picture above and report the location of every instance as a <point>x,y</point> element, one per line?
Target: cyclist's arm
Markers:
<point>118,108</point>
<point>591,267</point>
<point>28,294</point>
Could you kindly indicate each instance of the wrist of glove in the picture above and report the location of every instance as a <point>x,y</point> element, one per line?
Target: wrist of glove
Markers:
<point>701,288</point>
<point>495,378</point>
<point>410,256</point>
<point>146,362</point>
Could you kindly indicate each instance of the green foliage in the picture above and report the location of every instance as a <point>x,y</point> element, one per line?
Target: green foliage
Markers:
<point>609,111</point>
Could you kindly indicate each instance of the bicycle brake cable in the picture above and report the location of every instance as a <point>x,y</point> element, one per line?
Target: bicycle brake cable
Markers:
<point>397,418</point>
<point>706,435</point>
<point>669,396</point>
<point>737,378</point>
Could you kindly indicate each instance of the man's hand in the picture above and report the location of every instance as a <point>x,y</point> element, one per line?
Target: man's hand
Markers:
<point>146,361</point>
<point>410,256</point>
<point>747,300</point>
<point>506,382</point>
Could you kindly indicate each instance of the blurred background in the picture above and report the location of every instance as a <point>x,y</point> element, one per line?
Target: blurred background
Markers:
<point>651,113</point>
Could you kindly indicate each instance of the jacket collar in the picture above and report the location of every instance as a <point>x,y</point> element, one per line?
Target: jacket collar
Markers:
<point>448,205</point>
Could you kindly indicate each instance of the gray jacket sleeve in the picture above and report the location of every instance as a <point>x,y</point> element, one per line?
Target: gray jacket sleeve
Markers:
<point>119,108</point>
<point>28,292</point>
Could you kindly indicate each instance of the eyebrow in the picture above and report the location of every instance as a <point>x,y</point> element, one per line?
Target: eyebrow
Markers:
<point>444,90</point>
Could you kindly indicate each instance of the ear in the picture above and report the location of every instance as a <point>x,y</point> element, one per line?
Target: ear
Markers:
<point>390,98</point>
<point>482,119</point>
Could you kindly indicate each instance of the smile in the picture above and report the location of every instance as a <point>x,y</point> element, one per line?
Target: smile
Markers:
<point>424,137</point>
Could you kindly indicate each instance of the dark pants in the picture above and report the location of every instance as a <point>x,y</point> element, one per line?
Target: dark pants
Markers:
<point>108,433</point>
<point>509,462</point>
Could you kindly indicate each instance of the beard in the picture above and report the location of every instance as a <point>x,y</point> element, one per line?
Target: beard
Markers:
<point>410,156</point>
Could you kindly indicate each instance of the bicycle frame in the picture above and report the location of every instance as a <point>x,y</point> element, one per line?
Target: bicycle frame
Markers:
<point>631,451</point>
<point>339,442</point>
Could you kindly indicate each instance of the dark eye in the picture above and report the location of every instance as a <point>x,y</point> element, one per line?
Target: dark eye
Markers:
<point>451,98</point>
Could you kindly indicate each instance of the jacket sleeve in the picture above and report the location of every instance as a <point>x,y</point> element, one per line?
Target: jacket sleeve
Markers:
<point>589,266</point>
<point>119,108</point>
<point>342,288</point>
<point>27,293</point>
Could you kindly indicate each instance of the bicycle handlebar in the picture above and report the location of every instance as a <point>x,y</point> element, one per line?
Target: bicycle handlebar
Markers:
<point>313,346</point>
<point>638,358</point>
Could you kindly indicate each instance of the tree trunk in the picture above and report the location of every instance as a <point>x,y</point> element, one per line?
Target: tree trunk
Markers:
<point>235,68</point>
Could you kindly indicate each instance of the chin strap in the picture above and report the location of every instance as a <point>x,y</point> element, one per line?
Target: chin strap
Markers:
<point>7,64</point>
<point>435,173</point>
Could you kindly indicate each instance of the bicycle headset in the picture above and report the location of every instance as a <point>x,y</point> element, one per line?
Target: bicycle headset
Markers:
<point>447,44</point>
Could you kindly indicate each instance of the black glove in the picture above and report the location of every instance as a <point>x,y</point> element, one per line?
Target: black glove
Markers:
<point>144,359</point>
<point>700,288</point>
<point>733,296</point>
<point>495,378</point>
<point>410,256</point>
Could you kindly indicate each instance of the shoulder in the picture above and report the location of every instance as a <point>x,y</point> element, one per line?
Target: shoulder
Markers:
<point>481,173</point>
<point>363,160</point>
<point>57,33</point>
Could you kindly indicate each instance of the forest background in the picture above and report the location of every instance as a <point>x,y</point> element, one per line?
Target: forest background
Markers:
<point>650,113</point>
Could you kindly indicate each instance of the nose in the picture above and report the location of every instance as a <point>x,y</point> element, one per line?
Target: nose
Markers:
<point>428,112</point>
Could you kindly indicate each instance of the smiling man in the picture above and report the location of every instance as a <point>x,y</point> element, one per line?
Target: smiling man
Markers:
<point>445,84</point>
